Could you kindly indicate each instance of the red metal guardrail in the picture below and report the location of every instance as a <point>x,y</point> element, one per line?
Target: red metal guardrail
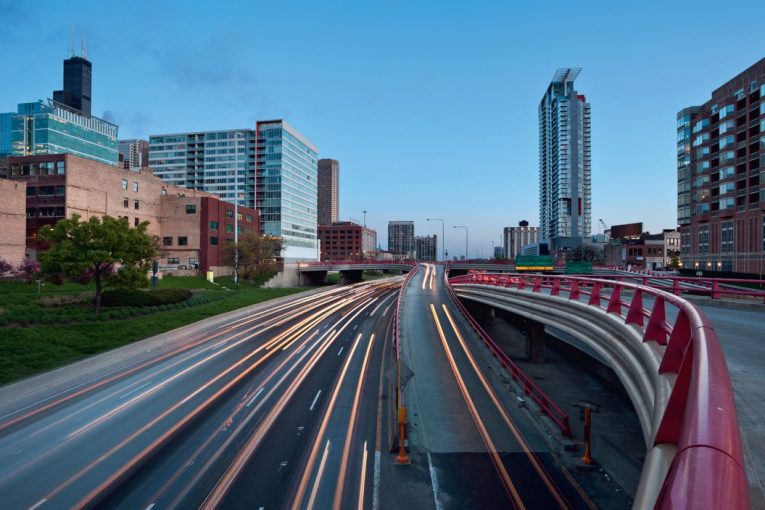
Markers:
<point>357,262</point>
<point>396,311</point>
<point>715,288</point>
<point>708,469</point>
<point>530,388</point>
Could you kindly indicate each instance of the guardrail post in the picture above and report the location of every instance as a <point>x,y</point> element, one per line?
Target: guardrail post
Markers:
<point>655,328</point>
<point>537,284</point>
<point>615,302</point>
<point>555,287</point>
<point>675,286</point>
<point>574,291</point>
<point>595,294</point>
<point>635,312</point>
<point>715,289</point>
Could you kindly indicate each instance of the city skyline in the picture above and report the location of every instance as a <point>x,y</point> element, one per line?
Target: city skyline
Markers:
<point>403,89</point>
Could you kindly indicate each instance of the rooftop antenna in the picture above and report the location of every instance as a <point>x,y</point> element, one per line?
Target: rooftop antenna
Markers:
<point>84,50</point>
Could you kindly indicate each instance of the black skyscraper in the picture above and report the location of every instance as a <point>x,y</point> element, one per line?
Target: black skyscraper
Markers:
<point>78,73</point>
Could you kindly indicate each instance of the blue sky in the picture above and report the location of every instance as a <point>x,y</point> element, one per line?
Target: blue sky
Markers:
<point>431,107</point>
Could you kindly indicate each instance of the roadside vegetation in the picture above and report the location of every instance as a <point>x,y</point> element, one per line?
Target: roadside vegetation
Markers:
<point>91,294</point>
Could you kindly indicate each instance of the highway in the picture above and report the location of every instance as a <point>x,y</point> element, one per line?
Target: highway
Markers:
<point>228,418</point>
<point>288,406</point>
<point>465,420</point>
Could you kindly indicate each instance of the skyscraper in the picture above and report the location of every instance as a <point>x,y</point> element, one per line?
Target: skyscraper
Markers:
<point>329,191</point>
<point>515,238</point>
<point>720,159</point>
<point>564,163</point>
<point>219,162</point>
<point>287,190</point>
<point>78,77</point>
<point>401,238</point>
<point>425,248</point>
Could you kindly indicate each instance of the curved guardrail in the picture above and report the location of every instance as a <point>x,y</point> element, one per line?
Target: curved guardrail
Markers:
<point>397,311</point>
<point>699,422</point>
<point>530,388</point>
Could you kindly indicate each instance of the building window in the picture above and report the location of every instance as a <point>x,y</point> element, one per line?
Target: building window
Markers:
<point>135,222</point>
<point>135,204</point>
<point>183,241</point>
<point>229,213</point>
<point>135,186</point>
<point>191,209</point>
<point>125,202</point>
<point>213,241</point>
<point>229,228</point>
<point>213,225</point>
<point>167,241</point>
<point>173,260</point>
<point>31,191</point>
<point>124,184</point>
<point>727,237</point>
<point>60,167</point>
<point>704,239</point>
<point>249,218</point>
<point>192,261</point>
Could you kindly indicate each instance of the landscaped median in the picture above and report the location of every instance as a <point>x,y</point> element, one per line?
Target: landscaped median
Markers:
<point>41,331</point>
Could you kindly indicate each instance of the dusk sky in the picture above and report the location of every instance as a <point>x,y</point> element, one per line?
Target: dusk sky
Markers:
<point>430,107</point>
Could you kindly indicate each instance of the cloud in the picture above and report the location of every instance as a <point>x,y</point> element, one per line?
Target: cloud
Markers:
<point>133,123</point>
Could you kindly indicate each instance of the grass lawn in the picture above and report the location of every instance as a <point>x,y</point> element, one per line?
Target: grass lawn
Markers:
<point>37,348</point>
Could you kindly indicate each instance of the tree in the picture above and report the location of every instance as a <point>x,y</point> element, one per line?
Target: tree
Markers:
<point>104,250</point>
<point>5,266</point>
<point>674,262</point>
<point>257,254</point>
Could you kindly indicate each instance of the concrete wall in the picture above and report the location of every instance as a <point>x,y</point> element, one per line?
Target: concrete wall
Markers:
<point>13,203</point>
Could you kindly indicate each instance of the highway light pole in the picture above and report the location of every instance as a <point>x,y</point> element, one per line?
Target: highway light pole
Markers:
<point>443,237</point>
<point>466,239</point>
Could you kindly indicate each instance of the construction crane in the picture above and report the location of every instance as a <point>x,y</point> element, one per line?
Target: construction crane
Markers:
<point>603,224</point>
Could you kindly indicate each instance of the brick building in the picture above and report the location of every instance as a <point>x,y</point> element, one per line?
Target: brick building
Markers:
<point>345,240</point>
<point>12,221</point>
<point>720,165</point>
<point>190,227</point>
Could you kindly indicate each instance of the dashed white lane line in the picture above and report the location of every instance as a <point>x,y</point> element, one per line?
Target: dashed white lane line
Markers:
<point>316,398</point>
<point>135,389</point>
<point>255,396</point>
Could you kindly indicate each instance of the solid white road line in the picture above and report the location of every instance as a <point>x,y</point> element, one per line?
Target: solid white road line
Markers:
<point>38,504</point>
<point>255,396</point>
<point>314,400</point>
<point>135,389</point>
<point>434,483</point>
<point>376,482</point>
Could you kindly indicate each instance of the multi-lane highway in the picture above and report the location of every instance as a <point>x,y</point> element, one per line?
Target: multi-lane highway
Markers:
<point>290,405</point>
<point>275,408</point>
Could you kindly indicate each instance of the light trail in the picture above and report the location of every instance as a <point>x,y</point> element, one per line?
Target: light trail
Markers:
<point>541,471</point>
<point>351,428</point>
<point>363,480</point>
<point>490,448</point>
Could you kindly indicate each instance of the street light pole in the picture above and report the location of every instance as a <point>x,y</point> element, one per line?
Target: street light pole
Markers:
<point>466,239</point>
<point>443,237</point>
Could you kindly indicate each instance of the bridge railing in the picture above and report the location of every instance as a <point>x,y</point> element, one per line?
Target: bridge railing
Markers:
<point>707,470</point>
<point>530,388</point>
<point>397,312</point>
<point>715,288</point>
<point>357,262</point>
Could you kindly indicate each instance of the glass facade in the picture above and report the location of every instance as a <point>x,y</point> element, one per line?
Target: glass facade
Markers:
<point>5,133</point>
<point>52,128</point>
<point>219,162</point>
<point>287,170</point>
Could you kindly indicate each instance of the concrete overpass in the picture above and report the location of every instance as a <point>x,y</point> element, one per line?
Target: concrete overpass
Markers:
<point>667,356</point>
<point>315,273</point>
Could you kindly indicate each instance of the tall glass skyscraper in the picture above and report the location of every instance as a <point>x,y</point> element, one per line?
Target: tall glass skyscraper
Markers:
<point>219,162</point>
<point>564,163</point>
<point>287,192</point>
<point>54,128</point>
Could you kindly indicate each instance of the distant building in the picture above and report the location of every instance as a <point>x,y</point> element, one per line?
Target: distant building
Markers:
<point>425,248</point>
<point>191,227</point>
<point>671,246</point>
<point>515,238</point>
<point>13,207</point>
<point>346,240</point>
<point>78,78</point>
<point>538,248</point>
<point>54,128</point>
<point>720,157</point>
<point>401,238</point>
<point>564,163</point>
<point>329,191</point>
<point>499,252</point>
<point>626,231</point>
<point>134,154</point>
<point>6,145</point>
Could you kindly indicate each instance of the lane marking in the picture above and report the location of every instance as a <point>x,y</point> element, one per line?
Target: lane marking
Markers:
<point>135,389</point>
<point>150,506</point>
<point>314,400</point>
<point>340,351</point>
<point>363,477</point>
<point>387,309</point>
<point>376,483</point>
<point>434,483</point>
<point>255,396</point>
<point>318,476</point>
<point>38,504</point>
